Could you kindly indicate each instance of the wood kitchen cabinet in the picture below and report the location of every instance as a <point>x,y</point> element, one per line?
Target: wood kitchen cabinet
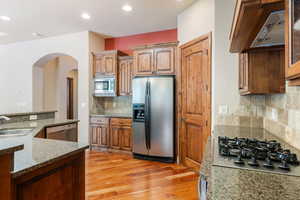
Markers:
<point>111,134</point>
<point>106,63</point>
<point>125,75</point>
<point>99,133</point>
<point>249,17</point>
<point>143,62</point>
<point>261,71</point>
<point>292,41</point>
<point>121,134</point>
<point>156,59</point>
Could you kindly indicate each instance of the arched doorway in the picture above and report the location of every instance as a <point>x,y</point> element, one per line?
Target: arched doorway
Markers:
<point>55,85</point>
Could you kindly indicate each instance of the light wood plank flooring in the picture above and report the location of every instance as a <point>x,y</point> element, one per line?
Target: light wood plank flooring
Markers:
<point>116,176</point>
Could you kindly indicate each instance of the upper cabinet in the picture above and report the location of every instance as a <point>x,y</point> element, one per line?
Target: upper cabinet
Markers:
<point>155,59</point>
<point>292,49</point>
<point>261,71</point>
<point>143,62</point>
<point>125,75</point>
<point>258,35</point>
<point>106,62</point>
<point>251,18</point>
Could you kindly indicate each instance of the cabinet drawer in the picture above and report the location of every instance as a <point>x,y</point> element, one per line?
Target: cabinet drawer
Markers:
<point>121,121</point>
<point>99,120</point>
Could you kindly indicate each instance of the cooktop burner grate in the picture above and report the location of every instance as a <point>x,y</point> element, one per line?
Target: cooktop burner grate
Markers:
<point>256,153</point>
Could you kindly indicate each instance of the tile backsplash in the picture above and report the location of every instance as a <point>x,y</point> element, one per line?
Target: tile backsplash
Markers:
<point>112,105</point>
<point>277,113</point>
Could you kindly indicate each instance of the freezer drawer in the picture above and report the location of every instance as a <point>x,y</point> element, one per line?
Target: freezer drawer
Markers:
<point>66,132</point>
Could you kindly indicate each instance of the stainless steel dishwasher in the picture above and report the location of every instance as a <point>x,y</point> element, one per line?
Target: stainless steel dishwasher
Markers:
<point>67,132</point>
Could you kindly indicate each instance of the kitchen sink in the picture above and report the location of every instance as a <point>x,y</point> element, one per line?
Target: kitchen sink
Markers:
<point>15,131</point>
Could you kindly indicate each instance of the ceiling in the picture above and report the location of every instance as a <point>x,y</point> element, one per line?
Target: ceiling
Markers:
<point>56,17</point>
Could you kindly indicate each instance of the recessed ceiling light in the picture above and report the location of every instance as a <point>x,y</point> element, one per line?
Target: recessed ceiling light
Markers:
<point>3,34</point>
<point>127,8</point>
<point>85,16</point>
<point>36,34</point>
<point>5,18</point>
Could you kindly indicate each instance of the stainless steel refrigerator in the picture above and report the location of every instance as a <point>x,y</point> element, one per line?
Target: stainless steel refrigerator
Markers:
<point>153,117</point>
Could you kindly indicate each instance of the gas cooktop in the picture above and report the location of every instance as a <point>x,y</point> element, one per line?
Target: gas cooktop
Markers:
<point>257,154</point>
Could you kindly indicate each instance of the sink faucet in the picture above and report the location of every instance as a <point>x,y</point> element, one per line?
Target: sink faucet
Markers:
<point>4,118</point>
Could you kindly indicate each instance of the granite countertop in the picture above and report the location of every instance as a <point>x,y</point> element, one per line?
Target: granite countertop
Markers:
<point>233,183</point>
<point>112,115</point>
<point>37,152</point>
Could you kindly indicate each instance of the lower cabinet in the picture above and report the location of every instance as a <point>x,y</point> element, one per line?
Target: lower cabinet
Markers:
<point>99,135</point>
<point>111,134</point>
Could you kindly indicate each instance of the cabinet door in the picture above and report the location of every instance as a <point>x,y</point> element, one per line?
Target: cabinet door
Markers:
<point>164,60</point>
<point>292,22</point>
<point>130,76</point>
<point>123,87</point>
<point>115,137</point>
<point>143,62</point>
<point>98,65</point>
<point>109,62</point>
<point>125,77</point>
<point>99,135</point>
<point>243,73</point>
<point>126,138</point>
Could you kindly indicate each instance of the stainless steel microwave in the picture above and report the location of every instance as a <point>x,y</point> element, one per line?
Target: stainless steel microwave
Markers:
<point>105,86</point>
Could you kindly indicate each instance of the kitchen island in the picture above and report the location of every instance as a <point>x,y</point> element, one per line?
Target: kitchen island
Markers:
<point>44,169</point>
<point>234,183</point>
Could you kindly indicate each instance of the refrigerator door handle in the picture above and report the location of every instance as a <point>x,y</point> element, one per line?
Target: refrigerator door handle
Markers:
<point>149,114</point>
<point>146,116</point>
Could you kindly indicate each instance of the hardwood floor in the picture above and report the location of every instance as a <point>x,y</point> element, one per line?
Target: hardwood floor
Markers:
<point>113,176</point>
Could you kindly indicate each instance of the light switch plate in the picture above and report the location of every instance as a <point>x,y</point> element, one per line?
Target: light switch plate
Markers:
<point>223,109</point>
<point>33,117</point>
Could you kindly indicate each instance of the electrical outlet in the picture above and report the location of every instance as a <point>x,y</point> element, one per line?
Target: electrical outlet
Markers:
<point>33,124</point>
<point>33,117</point>
<point>274,115</point>
<point>223,109</point>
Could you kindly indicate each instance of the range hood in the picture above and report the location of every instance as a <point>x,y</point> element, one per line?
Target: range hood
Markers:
<point>272,32</point>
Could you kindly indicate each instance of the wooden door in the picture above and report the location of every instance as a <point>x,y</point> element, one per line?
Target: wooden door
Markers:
<point>99,135</point>
<point>109,63</point>
<point>164,60</point>
<point>115,137</point>
<point>70,98</point>
<point>126,138</point>
<point>143,62</point>
<point>196,103</point>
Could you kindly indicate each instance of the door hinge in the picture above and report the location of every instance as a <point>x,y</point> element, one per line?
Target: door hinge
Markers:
<point>206,51</point>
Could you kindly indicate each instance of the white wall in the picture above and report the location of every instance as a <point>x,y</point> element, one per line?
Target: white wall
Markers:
<point>17,60</point>
<point>215,16</point>
<point>196,20</point>
<point>65,65</point>
<point>50,85</point>
<point>226,64</point>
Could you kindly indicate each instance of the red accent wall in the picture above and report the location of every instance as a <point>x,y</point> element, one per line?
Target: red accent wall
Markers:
<point>125,44</point>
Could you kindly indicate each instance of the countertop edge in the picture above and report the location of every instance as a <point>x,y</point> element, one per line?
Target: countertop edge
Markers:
<point>38,166</point>
<point>11,149</point>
